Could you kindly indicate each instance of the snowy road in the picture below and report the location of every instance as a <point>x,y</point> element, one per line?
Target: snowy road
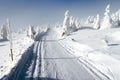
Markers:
<point>47,59</point>
<point>59,64</point>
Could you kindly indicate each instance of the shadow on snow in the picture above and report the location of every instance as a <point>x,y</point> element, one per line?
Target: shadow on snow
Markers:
<point>19,71</point>
<point>3,40</point>
<point>43,78</point>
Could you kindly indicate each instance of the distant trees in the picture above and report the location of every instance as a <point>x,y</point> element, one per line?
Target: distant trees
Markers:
<point>108,21</point>
<point>70,24</point>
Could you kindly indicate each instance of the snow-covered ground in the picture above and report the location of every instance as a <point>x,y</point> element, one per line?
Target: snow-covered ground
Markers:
<point>20,43</point>
<point>98,49</point>
<point>86,54</point>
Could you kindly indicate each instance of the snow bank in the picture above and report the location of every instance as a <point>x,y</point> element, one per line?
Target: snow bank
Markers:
<point>96,61</point>
<point>20,43</point>
<point>113,38</point>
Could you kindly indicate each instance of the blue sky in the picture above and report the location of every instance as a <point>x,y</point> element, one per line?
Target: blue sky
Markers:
<point>25,12</point>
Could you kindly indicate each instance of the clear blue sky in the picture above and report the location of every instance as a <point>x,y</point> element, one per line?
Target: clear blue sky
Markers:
<point>24,12</point>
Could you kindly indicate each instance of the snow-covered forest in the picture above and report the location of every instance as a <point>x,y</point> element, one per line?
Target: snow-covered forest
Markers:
<point>73,49</point>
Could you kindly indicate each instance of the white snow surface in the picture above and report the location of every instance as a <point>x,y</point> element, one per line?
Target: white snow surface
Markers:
<point>103,57</point>
<point>20,43</point>
<point>84,55</point>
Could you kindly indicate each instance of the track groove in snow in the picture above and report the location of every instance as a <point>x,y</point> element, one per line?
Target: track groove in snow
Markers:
<point>18,72</point>
<point>87,64</point>
<point>29,66</point>
<point>58,64</point>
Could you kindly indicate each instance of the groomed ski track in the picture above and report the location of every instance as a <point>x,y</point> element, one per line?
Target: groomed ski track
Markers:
<point>47,59</point>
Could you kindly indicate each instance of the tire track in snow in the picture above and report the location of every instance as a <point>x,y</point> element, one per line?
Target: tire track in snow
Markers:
<point>60,65</point>
<point>37,65</point>
<point>19,71</point>
<point>42,51</point>
<point>29,66</point>
<point>88,65</point>
<point>31,69</point>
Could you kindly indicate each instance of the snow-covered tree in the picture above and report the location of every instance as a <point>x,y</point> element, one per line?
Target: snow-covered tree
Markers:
<point>0,31</point>
<point>66,22</point>
<point>9,29</point>
<point>77,22</point>
<point>90,20</point>
<point>106,23</point>
<point>69,25</point>
<point>4,32</point>
<point>72,26</point>
<point>116,19</point>
<point>119,17</point>
<point>38,29</point>
<point>97,22</point>
<point>31,32</point>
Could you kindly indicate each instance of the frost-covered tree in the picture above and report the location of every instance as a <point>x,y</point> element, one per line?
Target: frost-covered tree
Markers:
<point>38,29</point>
<point>119,17</point>
<point>116,19</point>
<point>4,32</point>
<point>9,29</point>
<point>0,31</point>
<point>69,25</point>
<point>87,20</point>
<point>97,22</point>
<point>90,20</point>
<point>31,32</point>
<point>66,22</point>
<point>72,27</point>
<point>77,22</point>
<point>106,23</point>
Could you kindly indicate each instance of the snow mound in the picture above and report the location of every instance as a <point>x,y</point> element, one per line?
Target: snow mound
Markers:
<point>113,38</point>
